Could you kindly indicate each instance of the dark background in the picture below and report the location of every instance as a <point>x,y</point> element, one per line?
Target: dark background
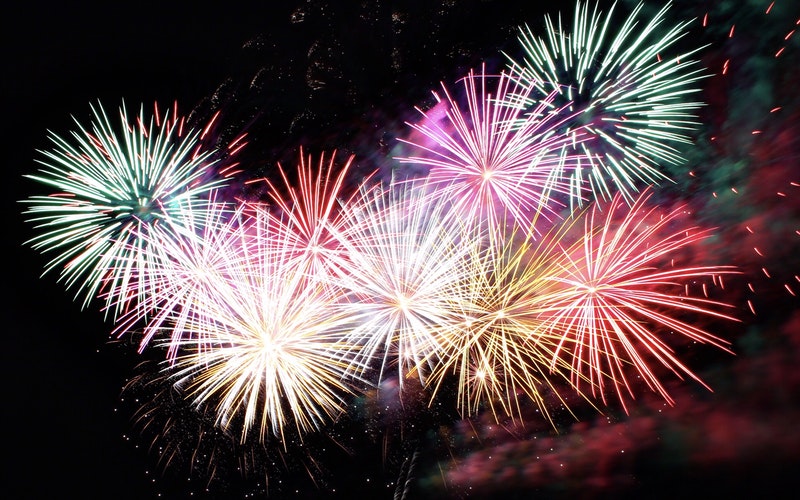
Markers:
<point>68,432</point>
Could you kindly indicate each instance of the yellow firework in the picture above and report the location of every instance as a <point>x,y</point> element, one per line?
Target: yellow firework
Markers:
<point>500,353</point>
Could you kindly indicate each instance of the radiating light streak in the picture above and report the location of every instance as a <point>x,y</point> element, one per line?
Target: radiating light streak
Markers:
<point>495,161</point>
<point>407,258</point>
<point>189,257</point>
<point>501,354</point>
<point>309,209</point>
<point>266,351</point>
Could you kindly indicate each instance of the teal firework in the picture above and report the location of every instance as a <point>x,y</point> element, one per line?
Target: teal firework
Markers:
<point>630,87</point>
<point>110,185</point>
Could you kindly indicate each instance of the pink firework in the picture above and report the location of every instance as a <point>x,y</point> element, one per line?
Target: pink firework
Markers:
<point>491,160</point>
<point>620,292</point>
<point>187,257</point>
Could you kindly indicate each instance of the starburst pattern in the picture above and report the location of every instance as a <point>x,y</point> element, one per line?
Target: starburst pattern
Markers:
<point>406,254</point>
<point>621,293</point>
<point>189,257</point>
<point>114,184</point>
<point>265,353</point>
<point>501,352</point>
<point>495,164</point>
<point>308,209</point>
<point>627,89</point>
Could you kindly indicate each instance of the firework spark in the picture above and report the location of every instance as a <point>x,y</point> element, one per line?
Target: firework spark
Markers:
<point>309,213</point>
<point>113,186</point>
<point>629,97</point>
<point>187,439</point>
<point>495,162</point>
<point>620,292</point>
<point>188,260</point>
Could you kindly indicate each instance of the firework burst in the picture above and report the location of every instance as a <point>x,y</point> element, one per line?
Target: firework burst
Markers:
<point>619,293</point>
<point>189,257</point>
<point>501,351</point>
<point>406,253</point>
<point>113,185</point>
<point>310,216</point>
<point>491,160</point>
<point>634,106</point>
<point>266,346</point>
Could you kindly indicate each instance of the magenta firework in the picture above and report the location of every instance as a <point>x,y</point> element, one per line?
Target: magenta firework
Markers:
<point>493,160</point>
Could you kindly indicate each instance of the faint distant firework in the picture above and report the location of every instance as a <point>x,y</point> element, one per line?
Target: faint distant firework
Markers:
<point>112,185</point>
<point>623,294</point>
<point>626,86</point>
<point>495,161</point>
<point>187,439</point>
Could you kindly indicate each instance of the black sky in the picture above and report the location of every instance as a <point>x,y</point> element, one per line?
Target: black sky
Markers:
<point>63,438</point>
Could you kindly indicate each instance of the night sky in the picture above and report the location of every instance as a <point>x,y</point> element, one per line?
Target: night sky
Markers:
<point>324,76</point>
